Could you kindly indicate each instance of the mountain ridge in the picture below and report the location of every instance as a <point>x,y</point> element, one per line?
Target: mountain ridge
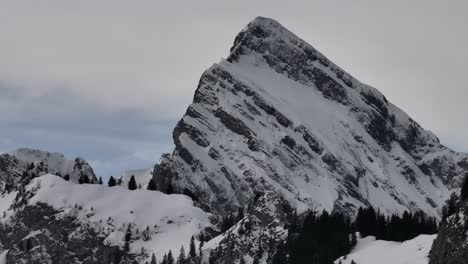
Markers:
<point>296,122</point>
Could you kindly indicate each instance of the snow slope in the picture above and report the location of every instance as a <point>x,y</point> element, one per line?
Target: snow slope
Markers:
<point>6,200</point>
<point>172,219</point>
<point>371,251</point>
<point>3,257</point>
<point>278,115</point>
<point>56,163</point>
<point>142,177</point>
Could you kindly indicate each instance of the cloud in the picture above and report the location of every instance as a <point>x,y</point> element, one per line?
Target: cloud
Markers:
<point>108,80</point>
<point>62,121</point>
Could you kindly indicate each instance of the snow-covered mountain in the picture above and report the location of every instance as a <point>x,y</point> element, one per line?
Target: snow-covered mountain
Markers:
<point>23,164</point>
<point>276,129</point>
<point>278,115</point>
<point>97,219</point>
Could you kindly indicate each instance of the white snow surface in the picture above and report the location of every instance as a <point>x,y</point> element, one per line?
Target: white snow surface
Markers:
<point>172,219</point>
<point>55,163</point>
<point>3,257</point>
<point>6,200</point>
<point>142,177</point>
<point>366,173</point>
<point>371,251</point>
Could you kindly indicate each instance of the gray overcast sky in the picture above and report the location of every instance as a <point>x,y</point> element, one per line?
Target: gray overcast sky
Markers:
<point>108,80</point>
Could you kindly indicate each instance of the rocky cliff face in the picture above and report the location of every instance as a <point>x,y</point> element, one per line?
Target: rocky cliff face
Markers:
<point>451,244</point>
<point>256,236</point>
<point>20,166</point>
<point>279,116</point>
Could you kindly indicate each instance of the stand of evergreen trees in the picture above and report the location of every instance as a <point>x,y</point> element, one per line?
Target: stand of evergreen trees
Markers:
<point>322,238</point>
<point>370,222</point>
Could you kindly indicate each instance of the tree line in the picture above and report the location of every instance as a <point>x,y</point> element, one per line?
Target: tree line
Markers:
<point>321,238</point>
<point>370,222</point>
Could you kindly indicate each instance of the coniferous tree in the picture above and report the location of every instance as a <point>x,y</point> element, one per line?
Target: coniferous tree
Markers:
<point>151,185</point>
<point>127,238</point>
<point>240,214</point>
<point>132,185</point>
<point>164,260</point>
<point>395,228</point>
<point>450,206</point>
<point>66,177</point>
<point>111,182</point>
<point>193,251</point>
<point>280,255</point>
<point>29,245</point>
<point>321,239</point>
<point>256,260</point>
<point>83,179</point>
<point>181,258</point>
<point>100,180</point>
<point>153,259</point>
<point>464,189</point>
<point>170,258</point>
<point>146,234</point>
<point>170,189</point>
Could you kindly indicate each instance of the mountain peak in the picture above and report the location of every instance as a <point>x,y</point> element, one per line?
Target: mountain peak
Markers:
<point>278,115</point>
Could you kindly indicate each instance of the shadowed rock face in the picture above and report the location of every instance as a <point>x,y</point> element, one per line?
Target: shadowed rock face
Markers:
<point>279,116</point>
<point>450,246</point>
<point>256,235</point>
<point>32,239</point>
<point>19,167</point>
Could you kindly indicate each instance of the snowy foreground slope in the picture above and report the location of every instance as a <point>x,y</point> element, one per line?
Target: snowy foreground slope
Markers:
<point>371,251</point>
<point>277,115</point>
<point>172,219</point>
<point>158,222</point>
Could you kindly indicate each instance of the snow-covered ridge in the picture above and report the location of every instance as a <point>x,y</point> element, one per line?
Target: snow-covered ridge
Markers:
<point>142,177</point>
<point>171,219</point>
<point>371,251</point>
<point>278,115</point>
<point>56,163</point>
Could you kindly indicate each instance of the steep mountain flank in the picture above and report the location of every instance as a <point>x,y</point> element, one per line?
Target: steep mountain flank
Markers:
<point>277,115</point>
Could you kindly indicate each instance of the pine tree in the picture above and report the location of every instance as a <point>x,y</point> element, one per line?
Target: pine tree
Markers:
<point>100,180</point>
<point>127,238</point>
<point>181,258</point>
<point>240,213</point>
<point>153,259</point>
<point>256,260</point>
<point>151,185</point>
<point>280,255</point>
<point>111,182</point>
<point>170,189</point>
<point>146,234</point>
<point>83,179</point>
<point>170,258</point>
<point>132,185</point>
<point>193,251</point>
<point>464,189</point>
